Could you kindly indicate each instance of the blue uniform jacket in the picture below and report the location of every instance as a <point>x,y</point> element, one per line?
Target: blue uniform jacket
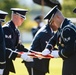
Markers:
<point>2,49</point>
<point>39,42</point>
<point>12,35</point>
<point>65,39</point>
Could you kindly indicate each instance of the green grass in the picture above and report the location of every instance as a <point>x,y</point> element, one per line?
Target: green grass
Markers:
<point>55,66</point>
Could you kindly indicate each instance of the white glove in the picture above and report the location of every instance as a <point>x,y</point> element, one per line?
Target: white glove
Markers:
<point>45,52</point>
<point>26,58</point>
<point>55,54</point>
<point>1,71</point>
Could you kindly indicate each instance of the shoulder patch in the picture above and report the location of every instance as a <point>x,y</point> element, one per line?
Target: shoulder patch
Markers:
<point>8,36</point>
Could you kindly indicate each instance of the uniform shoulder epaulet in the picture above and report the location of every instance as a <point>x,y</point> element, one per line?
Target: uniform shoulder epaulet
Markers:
<point>6,25</point>
<point>70,27</point>
<point>44,31</point>
<point>66,32</point>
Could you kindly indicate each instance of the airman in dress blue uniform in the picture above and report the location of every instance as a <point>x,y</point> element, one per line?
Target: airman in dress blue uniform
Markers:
<point>41,67</point>
<point>2,43</point>
<point>65,38</point>
<point>38,20</point>
<point>11,33</point>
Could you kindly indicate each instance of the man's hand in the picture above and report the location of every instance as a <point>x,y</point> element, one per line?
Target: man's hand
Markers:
<point>45,52</point>
<point>1,71</point>
<point>26,58</point>
<point>55,53</point>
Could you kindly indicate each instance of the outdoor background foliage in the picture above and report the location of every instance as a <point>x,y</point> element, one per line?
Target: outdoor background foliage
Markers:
<point>67,8</point>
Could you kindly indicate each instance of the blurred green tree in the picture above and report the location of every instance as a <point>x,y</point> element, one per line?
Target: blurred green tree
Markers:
<point>7,4</point>
<point>67,8</point>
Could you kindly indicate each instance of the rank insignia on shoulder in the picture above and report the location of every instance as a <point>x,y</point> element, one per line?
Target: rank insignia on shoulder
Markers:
<point>8,36</point>
<point>66,39</point>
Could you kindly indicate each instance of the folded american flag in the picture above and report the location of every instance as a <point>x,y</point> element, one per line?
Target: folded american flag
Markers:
<point>39,55</point>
